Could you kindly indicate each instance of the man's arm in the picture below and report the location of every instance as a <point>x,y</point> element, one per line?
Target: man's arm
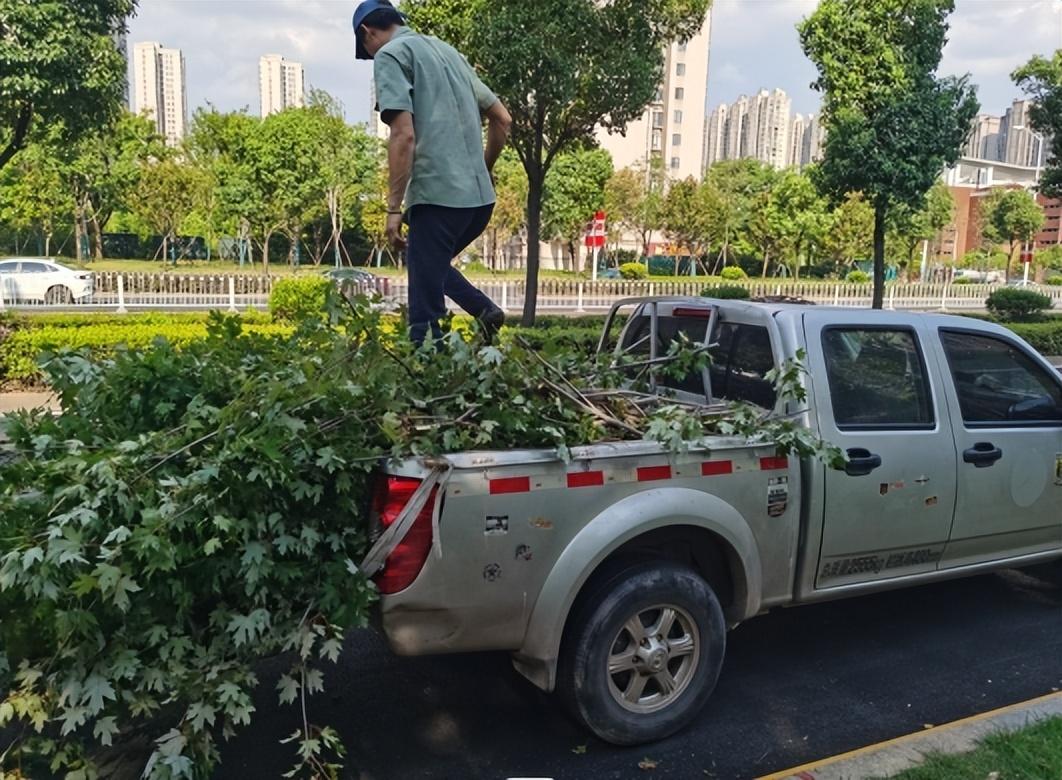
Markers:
<point>400,149</point>
<point>498,125</point>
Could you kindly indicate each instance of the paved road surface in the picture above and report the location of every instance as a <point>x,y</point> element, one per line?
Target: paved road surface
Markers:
<point>797,685</point>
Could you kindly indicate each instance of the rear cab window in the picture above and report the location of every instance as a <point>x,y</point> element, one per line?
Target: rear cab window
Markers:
<point>741,356</point>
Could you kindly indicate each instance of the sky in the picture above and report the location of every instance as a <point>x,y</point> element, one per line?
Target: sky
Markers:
<point>754,46</point>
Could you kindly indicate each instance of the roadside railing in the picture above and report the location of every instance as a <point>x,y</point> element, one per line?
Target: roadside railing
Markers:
<point>120,292</point>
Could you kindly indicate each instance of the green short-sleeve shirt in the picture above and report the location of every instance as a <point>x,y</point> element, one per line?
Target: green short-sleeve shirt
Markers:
<point>431,80</point>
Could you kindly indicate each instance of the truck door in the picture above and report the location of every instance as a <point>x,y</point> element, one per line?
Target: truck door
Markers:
<point>1006,408</point>
<point>890,512</point>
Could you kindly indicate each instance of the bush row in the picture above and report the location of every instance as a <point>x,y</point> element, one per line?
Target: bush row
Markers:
<point>28,339</point>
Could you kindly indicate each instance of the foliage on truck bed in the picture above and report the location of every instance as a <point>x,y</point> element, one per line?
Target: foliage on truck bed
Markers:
<point>195,510</point>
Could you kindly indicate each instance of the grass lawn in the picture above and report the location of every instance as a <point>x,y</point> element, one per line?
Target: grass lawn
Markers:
<point>1034,753</point>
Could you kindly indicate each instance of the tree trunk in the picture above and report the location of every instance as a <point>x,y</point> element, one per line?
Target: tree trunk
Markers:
<point>265,253</point>
<point>1010,261</point>
<point>880,213</point>
<point>97,236</point>
<point>766,261</point>
<point>77,234</point>
<point>535,180</point>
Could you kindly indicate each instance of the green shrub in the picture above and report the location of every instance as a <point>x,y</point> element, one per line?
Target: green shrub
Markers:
<point>1054,281</point>
<point>962,280</point>
<point>857,277</point>
<point>726,291</point>
<point>20,351</point>
<point>296,299</point>
<point>733,273</point>
<point>1045,337</point>
<point>1014,303</point>
<point>633,271</point>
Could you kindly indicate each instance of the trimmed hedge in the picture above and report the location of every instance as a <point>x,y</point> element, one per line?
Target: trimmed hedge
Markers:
<point>1013,303</point>
<point>1044,337</point>
<point>21,349</point>
<point>295,299</point>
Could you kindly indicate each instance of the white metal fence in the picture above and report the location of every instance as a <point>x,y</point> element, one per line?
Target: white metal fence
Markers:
<point>122,292</point>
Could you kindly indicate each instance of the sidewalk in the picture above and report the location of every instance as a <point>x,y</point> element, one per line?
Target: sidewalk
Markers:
<point>895,755</point>
<point>11,402</point>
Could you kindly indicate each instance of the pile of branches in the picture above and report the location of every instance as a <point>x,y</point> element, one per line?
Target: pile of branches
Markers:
<point>193,511</point>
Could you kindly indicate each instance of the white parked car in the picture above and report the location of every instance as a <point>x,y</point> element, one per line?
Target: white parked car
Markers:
<point>37,279</point>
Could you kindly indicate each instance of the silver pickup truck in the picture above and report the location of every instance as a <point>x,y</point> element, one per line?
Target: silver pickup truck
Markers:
<point>612,578</point>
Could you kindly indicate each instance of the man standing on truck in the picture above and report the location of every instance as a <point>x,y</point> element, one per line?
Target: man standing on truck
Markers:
<point>434,103</point>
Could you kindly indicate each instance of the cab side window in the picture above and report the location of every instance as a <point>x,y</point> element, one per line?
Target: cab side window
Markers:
<point>877,379</point>
<point>998,384</point>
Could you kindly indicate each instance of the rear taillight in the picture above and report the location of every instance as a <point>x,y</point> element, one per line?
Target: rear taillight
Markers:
<point>402,566</point>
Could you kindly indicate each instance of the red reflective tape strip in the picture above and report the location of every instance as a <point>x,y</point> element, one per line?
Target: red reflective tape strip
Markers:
<point>716,467</point>
<point>510,485</point>
<point>652,473</point>
<point>772,464</point>
<point>578,479</point>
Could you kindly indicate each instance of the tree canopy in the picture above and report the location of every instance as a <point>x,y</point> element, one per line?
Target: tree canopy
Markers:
<point>1041,78</point>
<point>59,65</point>
<point>892,124</point>
<point>1011,216</point>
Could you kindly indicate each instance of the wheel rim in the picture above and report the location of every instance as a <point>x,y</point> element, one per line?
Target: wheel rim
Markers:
<point>653,658</point>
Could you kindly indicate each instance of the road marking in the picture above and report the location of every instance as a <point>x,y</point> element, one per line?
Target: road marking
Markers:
<point>824,762</point>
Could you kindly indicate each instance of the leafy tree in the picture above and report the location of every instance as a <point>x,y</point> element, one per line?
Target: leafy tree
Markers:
<point>1014,217</point>
<point>33,193</point>
<point>59,66</point>
<point>851,230</point>
<point>220,145</point>
<point>510,210</point>
<point>688,217</point>
<point>736,182</point>
<point>1041,78</point>
<point>909,227</point>
<point>801,216</point>
<point>562,68</point>
<point>892,124</point>
<point>104,169</point>
<point>634,201</point>
<point>575,190</point>
<point>166,195</point>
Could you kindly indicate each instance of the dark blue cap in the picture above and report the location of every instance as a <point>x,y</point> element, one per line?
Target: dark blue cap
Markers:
<point>360,14</point>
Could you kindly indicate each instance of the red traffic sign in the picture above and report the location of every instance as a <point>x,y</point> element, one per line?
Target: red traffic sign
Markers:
<point>1026,255</point>
<point>595,231</point>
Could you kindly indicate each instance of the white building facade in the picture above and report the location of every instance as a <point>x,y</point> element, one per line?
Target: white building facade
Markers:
<point>673,126</point>
<point>280,84</point>
<point>159,89</point>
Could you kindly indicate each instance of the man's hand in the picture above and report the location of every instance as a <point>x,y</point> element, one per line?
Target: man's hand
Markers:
<point>394,231</point>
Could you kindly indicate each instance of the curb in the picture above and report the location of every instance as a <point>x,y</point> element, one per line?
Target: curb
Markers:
<point>885,759</point>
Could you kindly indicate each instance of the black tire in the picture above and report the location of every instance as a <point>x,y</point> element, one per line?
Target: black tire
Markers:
<point>599,630</point>
<point>58,294</point>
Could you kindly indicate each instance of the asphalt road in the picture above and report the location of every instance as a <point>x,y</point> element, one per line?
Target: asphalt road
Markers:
<point>797,685</point>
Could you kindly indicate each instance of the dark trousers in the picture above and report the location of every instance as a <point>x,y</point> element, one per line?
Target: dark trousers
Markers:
<point>437,235</point>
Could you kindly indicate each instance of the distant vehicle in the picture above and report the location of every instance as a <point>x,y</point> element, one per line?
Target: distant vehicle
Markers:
<point>978,277</point>
<point>1025,284</point>
<point>40,280</point>
<point>360,279</point>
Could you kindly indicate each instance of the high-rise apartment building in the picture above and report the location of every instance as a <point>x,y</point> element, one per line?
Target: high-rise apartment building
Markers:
<point>672,128</point>
<point>768,132</point>
<point>814,140</point>
<point>1018,142</point>
<point>280,84</point>
<point>984,143</point>
<point>763,128</point>
<point>797,129</point>
<point>159,88</point>
<point>716,141</point>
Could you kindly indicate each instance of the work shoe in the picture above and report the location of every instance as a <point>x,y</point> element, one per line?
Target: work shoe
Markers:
<point>490,322</point>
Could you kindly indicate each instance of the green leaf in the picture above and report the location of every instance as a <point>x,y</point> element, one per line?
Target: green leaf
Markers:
<point>288,687</point>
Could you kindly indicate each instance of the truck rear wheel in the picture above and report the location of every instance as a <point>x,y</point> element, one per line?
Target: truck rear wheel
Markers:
<point>643,652</point>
